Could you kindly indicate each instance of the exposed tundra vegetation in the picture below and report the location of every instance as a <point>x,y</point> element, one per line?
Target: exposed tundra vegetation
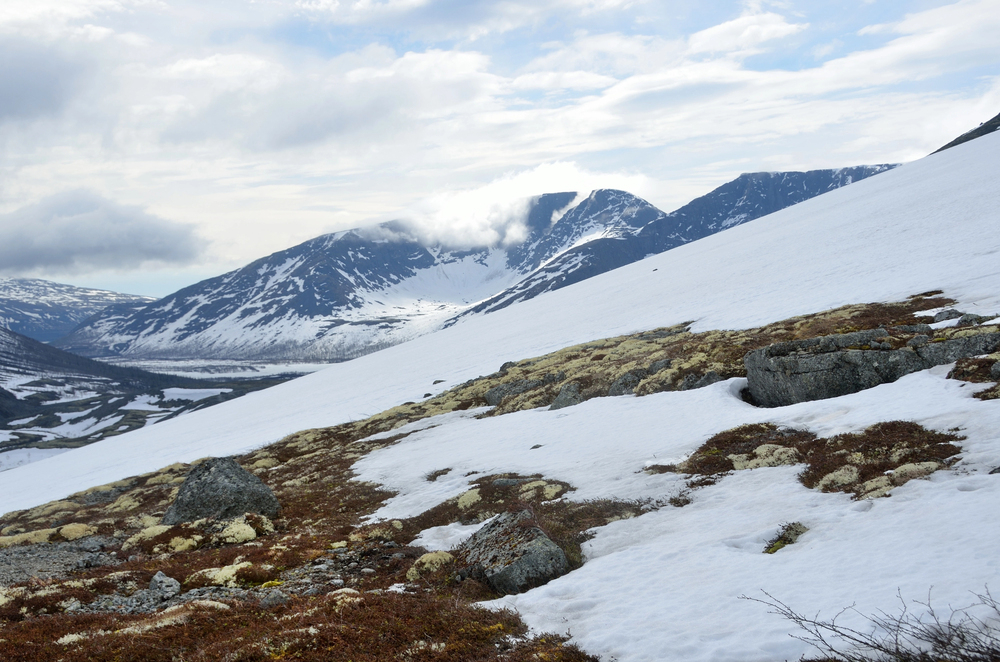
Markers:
<point>323,579</point>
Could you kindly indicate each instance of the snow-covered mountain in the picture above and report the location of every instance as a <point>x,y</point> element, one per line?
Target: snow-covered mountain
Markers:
<point>744,199</point>
<point>667,583</point>
<point>347,294</point>
<point>45,311</point>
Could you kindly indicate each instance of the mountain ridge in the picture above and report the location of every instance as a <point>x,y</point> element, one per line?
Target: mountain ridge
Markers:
<point>346,294</point>
<point>46,311</point>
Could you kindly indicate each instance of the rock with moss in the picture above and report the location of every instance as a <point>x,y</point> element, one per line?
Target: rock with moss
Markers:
<point>693,381</point>
<point>569,395</point>
<point>221,489</point>
<point>511,554</point>
<point>626,383</point>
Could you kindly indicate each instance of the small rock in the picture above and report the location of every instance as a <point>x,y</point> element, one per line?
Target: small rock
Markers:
<point>90,545</point>
<point>694,381</point>
<point>509,482</point>
<point>995,372</point>
<point>168,587</point>
<point>788,535</point>
<point>948,314</point>
<point>918,341</point>
<point>274,598</point>
<point>995,471</point>
<point>367,571</point>
<point>496,394</point>
<point>970,319</point>
<point>657,366</point>
<point>626,384</point>
<point>914,328</point>
<point>569,395</point>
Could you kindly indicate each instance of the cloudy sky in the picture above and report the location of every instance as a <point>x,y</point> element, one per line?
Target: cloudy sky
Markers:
<point>147,144</point>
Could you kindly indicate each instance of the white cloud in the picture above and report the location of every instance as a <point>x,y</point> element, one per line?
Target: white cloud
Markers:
<point>495,214</point>
<point>236,121</point>
<point>77,231</point>
<point>467,20</point>
<point>745,33</point>
<point>563,80</point>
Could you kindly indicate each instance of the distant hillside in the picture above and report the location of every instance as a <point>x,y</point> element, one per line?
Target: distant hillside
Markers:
<point>983,129</point>
<point>50,398</point>
<point>45,311</point>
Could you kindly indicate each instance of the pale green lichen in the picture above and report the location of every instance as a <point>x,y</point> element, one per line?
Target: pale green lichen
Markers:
<point>846,475</point>
<point>427,564</point>
<point>469,499</point>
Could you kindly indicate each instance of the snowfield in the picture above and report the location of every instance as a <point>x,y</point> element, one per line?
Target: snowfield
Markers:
<point>667,585</point>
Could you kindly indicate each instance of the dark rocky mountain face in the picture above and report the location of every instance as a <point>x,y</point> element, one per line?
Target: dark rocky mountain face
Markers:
<point>45,311</point>
<point>342,295</point>
<point>983,129</point>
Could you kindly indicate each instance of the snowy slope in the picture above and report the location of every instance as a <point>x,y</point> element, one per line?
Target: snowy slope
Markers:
<point>45,311</point>
<point>666,585</point>
<point>346,294</point>
<point>926,225</point>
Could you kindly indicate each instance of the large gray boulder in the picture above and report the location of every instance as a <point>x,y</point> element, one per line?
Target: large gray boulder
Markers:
<point>222,489</point>
<point>511,554</point>
<point>830,366</point>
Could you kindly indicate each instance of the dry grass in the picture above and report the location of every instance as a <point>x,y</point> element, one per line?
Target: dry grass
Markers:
<point>376,627</point>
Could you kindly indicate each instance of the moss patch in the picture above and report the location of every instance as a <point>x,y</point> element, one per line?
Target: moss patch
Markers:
<point>867,464</point>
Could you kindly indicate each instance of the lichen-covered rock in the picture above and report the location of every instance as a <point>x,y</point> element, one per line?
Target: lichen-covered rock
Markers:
<point>626,384</point>
<point>995,372</point>
<point>495,395</point>
<point>788,535</point>
<point>221,489</point>
<point>511,554</point>
<point>949,314</point>
<point>826,367</point>
<point>569,395</point>
<point>693,381</point>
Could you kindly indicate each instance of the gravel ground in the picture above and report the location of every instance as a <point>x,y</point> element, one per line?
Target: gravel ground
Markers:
<point>44,560</point>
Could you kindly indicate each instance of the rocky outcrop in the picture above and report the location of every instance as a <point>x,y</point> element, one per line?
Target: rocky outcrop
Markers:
<point>511,554</point>
<point>694,381</point>
<point>826,367</point>
<point>569,395</point>
<point>221,489</point>
<point>495,395</point>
